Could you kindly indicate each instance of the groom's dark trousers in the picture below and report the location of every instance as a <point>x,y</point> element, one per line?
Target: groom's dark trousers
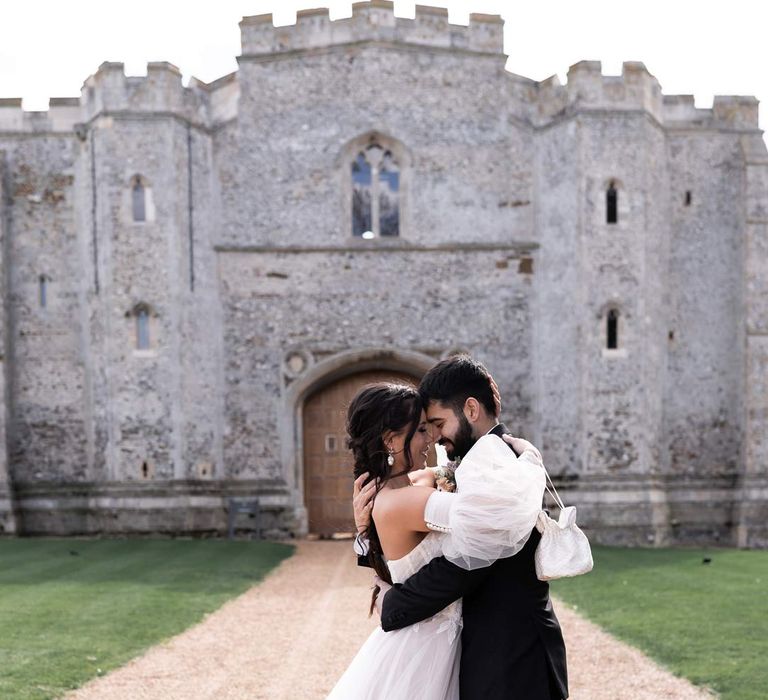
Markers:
<point>512,646</point>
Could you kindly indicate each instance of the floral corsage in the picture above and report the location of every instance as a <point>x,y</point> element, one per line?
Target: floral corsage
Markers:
<point>445,477</point>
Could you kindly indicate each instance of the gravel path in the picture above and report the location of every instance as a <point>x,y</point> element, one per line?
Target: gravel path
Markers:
<point>292,636</point>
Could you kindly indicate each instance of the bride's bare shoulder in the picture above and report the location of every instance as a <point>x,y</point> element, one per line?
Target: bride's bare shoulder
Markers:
<point>404,503</point>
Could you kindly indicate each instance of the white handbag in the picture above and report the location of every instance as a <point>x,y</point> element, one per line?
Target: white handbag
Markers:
<point>563,549</point>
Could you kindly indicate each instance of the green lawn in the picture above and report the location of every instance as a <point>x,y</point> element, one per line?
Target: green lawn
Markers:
<point>71,609</point>
<point>706,622</point>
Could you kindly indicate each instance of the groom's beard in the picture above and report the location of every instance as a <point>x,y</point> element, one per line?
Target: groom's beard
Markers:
<point>462,441</point>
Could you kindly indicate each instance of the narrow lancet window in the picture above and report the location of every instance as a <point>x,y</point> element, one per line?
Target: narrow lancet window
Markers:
<point>142,329</point>
<point>138,200</point>
<point>43,291</point>
<point>612,329</point>
<point>612,204</point>
<point>375,193</point>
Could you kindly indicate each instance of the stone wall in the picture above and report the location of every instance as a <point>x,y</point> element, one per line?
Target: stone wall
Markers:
<point>246,259</point>
<point>466,174</point>
<point>7,507</point>
<point>323,303</point>
<point>45,371</point>
<point>752,496</point>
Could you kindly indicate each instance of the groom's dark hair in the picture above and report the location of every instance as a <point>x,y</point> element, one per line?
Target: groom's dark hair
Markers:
<point>453,380</point>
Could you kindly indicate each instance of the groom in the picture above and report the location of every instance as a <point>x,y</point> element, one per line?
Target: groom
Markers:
<point>512,646</point>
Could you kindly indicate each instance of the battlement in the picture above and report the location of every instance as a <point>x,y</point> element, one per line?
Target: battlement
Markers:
<point>636,89</point>
<point>732,110</point>
<point>161,90</point>
<point>588,89</point>
<point>372,21</point>
<point>62,115</point>
<point>109,89</point>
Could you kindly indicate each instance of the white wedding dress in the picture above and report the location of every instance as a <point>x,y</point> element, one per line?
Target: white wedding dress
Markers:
<point>496,505</point>
<point>420,661</point>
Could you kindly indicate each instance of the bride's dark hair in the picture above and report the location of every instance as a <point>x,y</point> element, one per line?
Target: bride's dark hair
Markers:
<point>377,409</point>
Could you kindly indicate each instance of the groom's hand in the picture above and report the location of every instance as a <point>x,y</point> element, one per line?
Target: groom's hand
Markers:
<point>362,501</point>
<point>519,446</point>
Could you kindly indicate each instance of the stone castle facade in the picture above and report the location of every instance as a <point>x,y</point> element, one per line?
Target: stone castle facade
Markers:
<point>184,267</point>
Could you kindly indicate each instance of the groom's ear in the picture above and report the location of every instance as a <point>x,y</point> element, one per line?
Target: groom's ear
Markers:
<point>472,409</point>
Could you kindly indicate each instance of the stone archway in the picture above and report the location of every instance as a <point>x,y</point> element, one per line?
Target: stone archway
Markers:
<point>316,377</point>
<point>327,462</point>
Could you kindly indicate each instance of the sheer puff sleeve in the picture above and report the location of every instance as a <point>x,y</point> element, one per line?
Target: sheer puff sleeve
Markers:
<point>497,502</point>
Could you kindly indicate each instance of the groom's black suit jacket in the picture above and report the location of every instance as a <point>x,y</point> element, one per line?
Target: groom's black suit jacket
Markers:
<point>512,646</point>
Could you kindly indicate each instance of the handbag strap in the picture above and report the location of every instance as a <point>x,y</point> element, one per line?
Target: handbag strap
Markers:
<point>552,491</point>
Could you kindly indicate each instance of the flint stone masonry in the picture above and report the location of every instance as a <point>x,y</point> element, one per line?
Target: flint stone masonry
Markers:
<point>257,293</point>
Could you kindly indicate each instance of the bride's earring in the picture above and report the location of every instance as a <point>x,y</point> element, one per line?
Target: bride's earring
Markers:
<point>391,457</point>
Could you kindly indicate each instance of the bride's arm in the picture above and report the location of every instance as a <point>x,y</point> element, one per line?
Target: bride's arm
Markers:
<point>435,513</point>
<point>404,508</point>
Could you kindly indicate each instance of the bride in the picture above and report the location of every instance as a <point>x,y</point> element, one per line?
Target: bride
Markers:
<point>492,517</point>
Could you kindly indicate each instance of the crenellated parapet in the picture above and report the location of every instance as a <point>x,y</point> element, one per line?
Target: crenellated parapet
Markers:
<point>588,89</point>
<point>110,90</point>
<point>62,115</point>
<point>734,111</point>
<point>737,110</point>
<point>161,90</point>
<point>636,89</point>
<point>372,21</point>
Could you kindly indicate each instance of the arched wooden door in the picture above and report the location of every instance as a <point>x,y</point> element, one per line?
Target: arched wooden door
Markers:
<point>327,461</point>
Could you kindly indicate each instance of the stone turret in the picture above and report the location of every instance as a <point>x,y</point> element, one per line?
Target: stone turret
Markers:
<point>752,508</point>
<point>161,90</point>
<point>634,89</point>
<point>373,22</point>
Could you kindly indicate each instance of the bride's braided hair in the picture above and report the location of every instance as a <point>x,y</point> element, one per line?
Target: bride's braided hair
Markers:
<point>375,410</point>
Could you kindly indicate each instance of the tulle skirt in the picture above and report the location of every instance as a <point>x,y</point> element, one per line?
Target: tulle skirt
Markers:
<point>420,661</point>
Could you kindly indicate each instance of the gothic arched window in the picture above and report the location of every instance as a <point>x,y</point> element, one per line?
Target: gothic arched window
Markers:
<point>612,204</point>
<point>375,192</point>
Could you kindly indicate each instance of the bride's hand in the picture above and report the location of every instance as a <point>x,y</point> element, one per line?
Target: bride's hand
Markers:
<point>496,395</point>
<point>383,589</point>
<point>362,501</point>
<point>519,445</point>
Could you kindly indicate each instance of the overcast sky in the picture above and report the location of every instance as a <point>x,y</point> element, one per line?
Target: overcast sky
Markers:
<point>49,47</point>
